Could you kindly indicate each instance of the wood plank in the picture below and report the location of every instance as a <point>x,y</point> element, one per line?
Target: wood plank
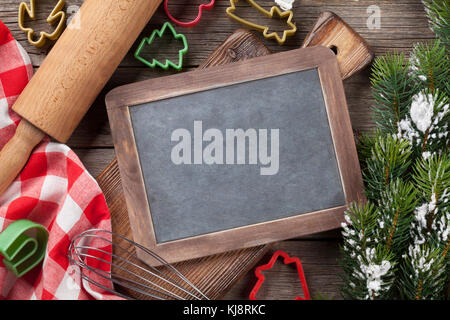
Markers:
<point>95,160</point>
<point>402,24</point>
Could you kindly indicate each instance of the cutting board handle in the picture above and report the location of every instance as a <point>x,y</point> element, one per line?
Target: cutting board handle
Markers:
<point>16,152</point>
<point>352,51</point>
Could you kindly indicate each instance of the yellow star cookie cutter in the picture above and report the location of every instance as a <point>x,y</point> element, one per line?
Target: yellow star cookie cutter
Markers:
<point>55,15</point>
<point>270,14</point>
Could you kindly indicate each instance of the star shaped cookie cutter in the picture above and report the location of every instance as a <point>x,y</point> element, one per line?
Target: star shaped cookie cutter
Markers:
<point>270,14</point>
<point>206,6</point>
<point>56,14</point>
<point>160,33</point>
<point>287,260</point>
<point>23,244</point>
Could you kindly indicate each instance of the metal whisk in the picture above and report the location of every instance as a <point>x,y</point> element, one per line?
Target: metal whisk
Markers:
<point>90,256</point>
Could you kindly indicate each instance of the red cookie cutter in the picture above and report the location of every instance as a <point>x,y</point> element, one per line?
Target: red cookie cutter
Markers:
<point>193,22</point>
<point>287,260</point>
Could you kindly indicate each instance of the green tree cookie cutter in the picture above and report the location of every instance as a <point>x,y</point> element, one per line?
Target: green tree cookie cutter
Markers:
<point>270,14</point>
<point>160,33</point>
<point>23,244</point>
<point>56,15</point>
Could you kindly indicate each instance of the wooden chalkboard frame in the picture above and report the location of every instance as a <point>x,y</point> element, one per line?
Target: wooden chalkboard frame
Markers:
<point>119,100</point>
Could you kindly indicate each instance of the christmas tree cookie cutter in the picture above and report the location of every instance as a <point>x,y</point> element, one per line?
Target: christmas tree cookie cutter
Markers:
<point>160,33</point>
<point>207,6</point>
<point>270,14</point>
<point>23,244</point>
<point>287,260</point>
<point>56,14</point>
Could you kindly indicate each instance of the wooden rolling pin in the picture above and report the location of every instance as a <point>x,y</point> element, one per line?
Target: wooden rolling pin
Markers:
<point>72,76</point>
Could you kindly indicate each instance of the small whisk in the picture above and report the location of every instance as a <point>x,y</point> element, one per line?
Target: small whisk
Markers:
<point>109,261</point>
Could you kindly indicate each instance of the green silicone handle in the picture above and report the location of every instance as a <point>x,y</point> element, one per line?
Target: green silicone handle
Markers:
<point>23,244</point>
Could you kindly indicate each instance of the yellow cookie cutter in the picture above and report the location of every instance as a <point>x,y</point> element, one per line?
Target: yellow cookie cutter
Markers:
<point>265,29</point>
<point>55,15</point>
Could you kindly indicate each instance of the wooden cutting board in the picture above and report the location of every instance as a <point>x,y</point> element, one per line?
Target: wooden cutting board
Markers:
<point>214,275</point>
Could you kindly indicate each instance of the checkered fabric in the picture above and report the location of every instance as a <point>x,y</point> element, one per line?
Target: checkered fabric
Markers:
<point>54,189</point>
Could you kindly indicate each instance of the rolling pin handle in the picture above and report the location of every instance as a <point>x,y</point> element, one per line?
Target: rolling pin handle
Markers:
<point>17,151</point>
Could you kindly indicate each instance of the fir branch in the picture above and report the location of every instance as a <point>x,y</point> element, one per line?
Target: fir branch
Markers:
<point>396,207</point>
<point>392,88</point>
<point>406,171</point>
<point>427,261</point>
<point>438,12</point>
<point>432,218</point>
<point>369,268</point>
<point>423,273</point>
<point>426,124</point>
<point>365,143</point>
<point>430,66</point>
<point>390,160</point>
<point>432,177</point>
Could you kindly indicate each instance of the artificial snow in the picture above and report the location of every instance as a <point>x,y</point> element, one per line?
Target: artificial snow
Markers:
<point>285,4</point>
<point>422,110</point>
<point>373,273</point>
<point>426,155</point>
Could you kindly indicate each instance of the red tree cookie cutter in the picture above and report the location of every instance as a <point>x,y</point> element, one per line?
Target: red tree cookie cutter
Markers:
<point>194,22</point>
<point>287,260</point>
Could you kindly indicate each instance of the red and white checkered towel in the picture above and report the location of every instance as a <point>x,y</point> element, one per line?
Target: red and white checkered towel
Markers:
<point>54,190</point>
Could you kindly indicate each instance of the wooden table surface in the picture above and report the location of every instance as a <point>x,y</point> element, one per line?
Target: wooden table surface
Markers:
<point>403,23</point>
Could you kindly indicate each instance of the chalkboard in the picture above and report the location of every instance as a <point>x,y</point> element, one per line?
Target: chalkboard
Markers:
<point>236,156</point>
<point>226,196</point>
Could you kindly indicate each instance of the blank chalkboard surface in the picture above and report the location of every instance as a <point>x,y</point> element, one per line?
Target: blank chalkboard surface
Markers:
<point>236,156</point>
<point>226,196</point>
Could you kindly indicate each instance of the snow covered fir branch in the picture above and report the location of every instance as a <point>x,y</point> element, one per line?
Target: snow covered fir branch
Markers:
<point>438,12</point>
<point>396,245</point>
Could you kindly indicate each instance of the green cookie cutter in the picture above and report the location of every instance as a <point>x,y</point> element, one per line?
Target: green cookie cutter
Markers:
<point>23,244</point>
<point>160,33</point>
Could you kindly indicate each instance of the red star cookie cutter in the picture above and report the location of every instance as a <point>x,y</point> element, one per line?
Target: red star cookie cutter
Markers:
<point>287,260</point>
<point>194,22</point>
